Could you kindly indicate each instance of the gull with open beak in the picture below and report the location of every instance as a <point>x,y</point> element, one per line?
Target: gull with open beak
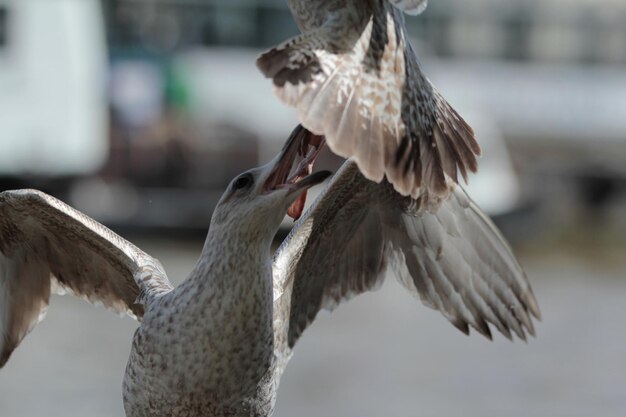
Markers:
<point>218,344</point>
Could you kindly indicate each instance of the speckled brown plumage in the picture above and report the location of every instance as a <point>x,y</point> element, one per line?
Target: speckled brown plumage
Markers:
<point>217,345</point>
<point>354,78</point>
<point>205,348</point>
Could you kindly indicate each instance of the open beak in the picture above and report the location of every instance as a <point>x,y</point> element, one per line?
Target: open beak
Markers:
<point>307,146</point>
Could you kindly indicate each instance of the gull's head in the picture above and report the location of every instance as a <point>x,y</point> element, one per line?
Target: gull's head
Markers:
<point>257,200</point>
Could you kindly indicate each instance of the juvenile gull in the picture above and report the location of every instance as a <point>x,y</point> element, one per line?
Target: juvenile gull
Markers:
<point>353,77</point>
<point>218,344</point>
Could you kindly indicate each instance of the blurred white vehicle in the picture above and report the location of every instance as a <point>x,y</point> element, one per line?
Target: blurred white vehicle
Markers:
<point>496,186</point>
<point>53,106</point>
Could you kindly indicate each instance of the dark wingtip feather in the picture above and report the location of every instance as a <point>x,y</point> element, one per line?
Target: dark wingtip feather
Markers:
<point>272,61</point>
<point>506,332</point>
<point>4,358</point>
<point>532,305</point>
<point>483,328</point>
<point>458,140</point>
<point>460,324</point>
<point>290,62</point>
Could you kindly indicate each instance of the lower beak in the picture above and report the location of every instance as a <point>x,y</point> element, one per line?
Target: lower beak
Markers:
<point>300,188</point>
<point>309,181</point>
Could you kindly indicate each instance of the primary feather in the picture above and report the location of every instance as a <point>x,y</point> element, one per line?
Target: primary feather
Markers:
<point>358,232</point>
<point>353,77</point>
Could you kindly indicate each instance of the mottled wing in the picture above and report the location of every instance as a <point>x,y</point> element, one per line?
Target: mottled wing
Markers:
<point>334,252</point>
<point>457,261</point>
<point>355,79</point>
<point>47,246</point>
<point>454,259</point>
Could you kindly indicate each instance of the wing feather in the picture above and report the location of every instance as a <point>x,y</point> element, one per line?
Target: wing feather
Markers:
<point>453,258</point>
<point>354,60</point>
<point>48,247</point>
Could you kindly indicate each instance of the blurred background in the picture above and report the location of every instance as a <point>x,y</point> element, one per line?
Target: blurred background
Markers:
<point>139,112</point>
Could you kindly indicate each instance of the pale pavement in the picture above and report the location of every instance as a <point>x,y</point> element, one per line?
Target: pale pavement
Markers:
<point>380,355</point>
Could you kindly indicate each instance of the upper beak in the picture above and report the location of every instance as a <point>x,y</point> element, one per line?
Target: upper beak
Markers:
<point>306,144</point>
<point>300,142</point>
<point>281,166</point>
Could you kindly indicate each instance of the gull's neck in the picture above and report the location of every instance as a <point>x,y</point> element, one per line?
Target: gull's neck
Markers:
<point>230,292</point>
<point>235,264</point>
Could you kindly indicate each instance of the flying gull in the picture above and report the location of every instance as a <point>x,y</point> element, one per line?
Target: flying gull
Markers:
<point>353,77</point>
<point>218,344</point>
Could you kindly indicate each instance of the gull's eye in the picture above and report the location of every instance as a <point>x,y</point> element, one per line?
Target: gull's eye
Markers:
<point>244,181</point>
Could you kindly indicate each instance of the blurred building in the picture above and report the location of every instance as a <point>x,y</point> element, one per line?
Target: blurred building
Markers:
<point>550,73</point>
<point>543,70</point>
<point>52,91</point>
<point>187,109</point>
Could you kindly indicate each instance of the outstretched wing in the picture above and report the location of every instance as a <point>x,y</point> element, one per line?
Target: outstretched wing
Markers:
<point>454,258</point>
<point>47,246</point>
